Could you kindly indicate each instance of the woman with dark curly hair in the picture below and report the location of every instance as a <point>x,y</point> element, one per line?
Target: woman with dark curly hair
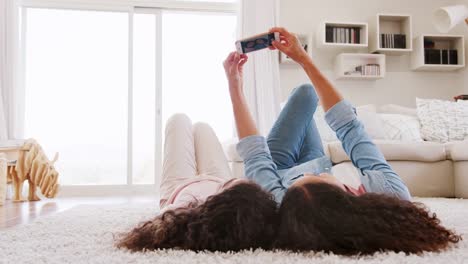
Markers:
<point>317,211</point>
<point>204,208</point>
<point>324,217</point>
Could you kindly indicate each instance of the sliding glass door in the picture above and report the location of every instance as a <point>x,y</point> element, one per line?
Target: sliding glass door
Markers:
<point>193,76</point>
<point>100,85</point>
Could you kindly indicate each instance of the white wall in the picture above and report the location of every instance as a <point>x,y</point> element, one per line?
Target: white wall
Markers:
<point>401,85</point>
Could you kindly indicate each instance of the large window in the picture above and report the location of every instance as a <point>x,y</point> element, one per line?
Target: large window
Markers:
<point>100,85</point>
<point>76,91</point>
<point>193,76</point>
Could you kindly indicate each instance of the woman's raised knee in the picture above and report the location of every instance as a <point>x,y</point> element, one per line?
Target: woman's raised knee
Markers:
<point>201,128</point>
<point>178,120</point>
<point>306,91</point>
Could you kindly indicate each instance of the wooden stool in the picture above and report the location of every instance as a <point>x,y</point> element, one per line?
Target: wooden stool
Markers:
<point>3,178</point>
<point>10,154</point>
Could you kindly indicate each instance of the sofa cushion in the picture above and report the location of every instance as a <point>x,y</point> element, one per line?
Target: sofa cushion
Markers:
<point>397,150</point>
<point>398,109</point>
<point>434,179</point>
<point>457,150</point>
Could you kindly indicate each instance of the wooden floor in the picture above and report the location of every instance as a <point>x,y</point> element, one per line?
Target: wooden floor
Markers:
<point>13,214</point>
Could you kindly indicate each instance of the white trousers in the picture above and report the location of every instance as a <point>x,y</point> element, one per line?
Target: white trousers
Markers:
<point>190,151</point>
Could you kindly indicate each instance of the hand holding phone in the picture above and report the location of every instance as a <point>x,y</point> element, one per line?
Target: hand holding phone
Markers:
<point>290,45</point>
<point>257,42</point>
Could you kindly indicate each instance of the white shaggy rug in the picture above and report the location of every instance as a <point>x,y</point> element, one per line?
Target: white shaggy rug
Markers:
<point>84,234</point>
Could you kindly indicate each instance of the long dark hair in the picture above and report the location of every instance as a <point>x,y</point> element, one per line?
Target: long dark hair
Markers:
<point>322,217</point>
<point>241,217</point>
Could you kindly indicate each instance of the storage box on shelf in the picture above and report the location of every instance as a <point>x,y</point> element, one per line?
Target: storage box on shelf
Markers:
<point>391,34</point>
<point>372,66</point>
<point>353,35</point>
<point>438,53</point>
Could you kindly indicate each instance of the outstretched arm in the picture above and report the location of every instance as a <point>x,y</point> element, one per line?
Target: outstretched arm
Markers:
<point>258,163</point>
<point>377,175</point>
<point>233,65</point>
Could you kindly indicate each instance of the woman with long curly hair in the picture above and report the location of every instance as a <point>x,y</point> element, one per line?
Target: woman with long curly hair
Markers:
<point>317,211</point>
<point>324,217</point>
<point>204,208</point>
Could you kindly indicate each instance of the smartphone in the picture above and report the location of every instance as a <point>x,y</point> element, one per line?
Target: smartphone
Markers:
<point>257,42</point>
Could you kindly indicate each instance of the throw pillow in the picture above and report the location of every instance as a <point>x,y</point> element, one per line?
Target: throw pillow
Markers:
<point>372,123</point>
<point>443,121</point>
<point>401,127</point>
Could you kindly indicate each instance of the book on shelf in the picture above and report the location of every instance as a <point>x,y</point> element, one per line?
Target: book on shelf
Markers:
<point>346,35</point>
<point>440,56</point>
<point>393,41</point>
<point>429,44</point>
<point>365,70</point>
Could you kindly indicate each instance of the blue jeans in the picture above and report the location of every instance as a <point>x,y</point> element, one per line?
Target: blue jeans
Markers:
<point>294,138</point>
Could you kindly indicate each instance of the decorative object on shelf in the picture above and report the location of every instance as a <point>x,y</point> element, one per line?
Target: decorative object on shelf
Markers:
<point>360,66</point>
<point>365,70</point>
<point>391,34</point>
<point>461,97</point>
<point>438,53</point>
<point>446,18</point>
<point>306,42</point>
<point>34,166</point>
<point>331,34</point>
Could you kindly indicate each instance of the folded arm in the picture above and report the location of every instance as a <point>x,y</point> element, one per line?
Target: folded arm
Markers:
<point>376,174</point>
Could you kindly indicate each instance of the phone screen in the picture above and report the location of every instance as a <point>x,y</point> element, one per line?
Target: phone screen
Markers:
<point>257,43</point>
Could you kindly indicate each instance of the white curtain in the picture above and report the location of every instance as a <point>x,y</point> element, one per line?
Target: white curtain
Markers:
<point>11,94</point>
<point>3,32</point>
<point>261,73</point>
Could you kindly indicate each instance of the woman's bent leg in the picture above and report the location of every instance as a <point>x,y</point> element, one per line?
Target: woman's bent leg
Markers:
<point>179,162</point>
<point>294,138</point>
<point>209,153</point>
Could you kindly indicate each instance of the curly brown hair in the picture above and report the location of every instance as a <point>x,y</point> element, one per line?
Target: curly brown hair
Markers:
<point>241,217</point>
<point>323,217</point>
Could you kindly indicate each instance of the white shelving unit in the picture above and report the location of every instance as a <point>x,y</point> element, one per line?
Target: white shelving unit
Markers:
<point>453,42</point>
<point>390,24</point>
<point>346,62</point>
<point>321,35</point>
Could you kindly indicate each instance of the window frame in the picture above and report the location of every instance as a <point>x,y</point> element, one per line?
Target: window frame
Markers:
<point>131,7</point>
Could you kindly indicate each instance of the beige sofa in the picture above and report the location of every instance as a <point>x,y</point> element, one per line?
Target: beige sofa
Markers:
<point>429,169</point>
